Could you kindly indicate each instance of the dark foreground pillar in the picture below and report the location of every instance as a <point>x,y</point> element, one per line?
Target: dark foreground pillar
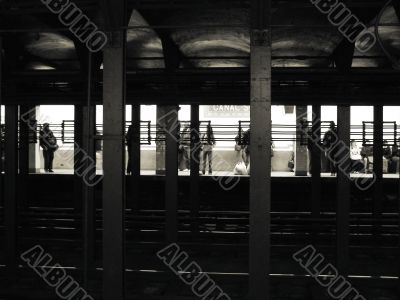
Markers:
<point>378,161</point>
<point>163,114</point>
<point>343,190</point>
<point>134,184</point>
<point>114,168</point>
<point>301,148</point>
<point>260,149</point>
<point>27,150</point>
<point>88,202</point>
<point>10,190</point>
<point>194,165</point>
<point>78,155</point>
<point>316,163</point>
<point>171,175</point>
<point>315,206</point>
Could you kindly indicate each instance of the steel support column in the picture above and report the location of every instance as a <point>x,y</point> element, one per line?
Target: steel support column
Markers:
<point>88,201</point>
<point>171,175</point>
<point>260,149</point>
<point>114,167</point>
<point>89,165</point>
<point>2,145</point>
<point>301,149</point>
<point>135,159</point>
<point>343,189</point>
<point>78,155</point>
<point>2,133</point>
<point>398,211</point>
<point>10,190</point>
<point>2,142</point>
<point>27,114</point>
<point>162,115</point>
<point>378,161</point>
<point>136,140</point>
<point>24,139</point>
<point>316,163</point>
<point>194,165</point>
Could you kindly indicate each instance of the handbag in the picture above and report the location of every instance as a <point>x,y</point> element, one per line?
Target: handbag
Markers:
<point>53,143</point>
<point>240,169</point>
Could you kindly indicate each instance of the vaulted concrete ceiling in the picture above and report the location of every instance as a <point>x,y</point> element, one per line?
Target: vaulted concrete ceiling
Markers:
<point>300,38</point>
<point>389,35</point>
<point>48,49</point>
<point>143,43</point>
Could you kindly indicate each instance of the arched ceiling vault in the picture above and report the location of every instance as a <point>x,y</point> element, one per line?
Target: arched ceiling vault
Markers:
<point>300,38</point>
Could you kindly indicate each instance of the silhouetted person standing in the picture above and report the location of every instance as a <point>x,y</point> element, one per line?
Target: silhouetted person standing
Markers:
<point>357,164</point>
<point>184,149</point>
<point>208,142</point>
<point>305,135</point>
<point>246,143</point>
<point>329,142</point>
<point>239,148</point>
<point>394,161</point>
<point>48,142</point>
<point>367,153</point>
<point>129,139</point>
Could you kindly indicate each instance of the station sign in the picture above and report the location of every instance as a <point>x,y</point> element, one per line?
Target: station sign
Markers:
<point>227,111</point>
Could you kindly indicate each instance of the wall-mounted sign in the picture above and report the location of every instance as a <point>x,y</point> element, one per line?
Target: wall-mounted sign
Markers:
<point>227,111</point>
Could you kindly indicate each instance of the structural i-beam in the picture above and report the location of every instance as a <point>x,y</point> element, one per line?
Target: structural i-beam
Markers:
<point>171,175</point>
<point>316,162</point>
<point>343,189</point>
<point>114,167</point>
<point>260,149</point>
<point>10,189</point>
<point>378,160</point>
<point>194,165</point>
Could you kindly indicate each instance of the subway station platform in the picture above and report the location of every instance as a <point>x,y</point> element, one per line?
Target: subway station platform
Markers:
<point>103,85</point>
<point>223,174</point>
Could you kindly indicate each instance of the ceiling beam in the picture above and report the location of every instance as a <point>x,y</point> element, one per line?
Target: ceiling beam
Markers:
<point>221,75</point>
<point>83,56</point>
<point>14,52</point>
<point>230,94</point>
<point>114,15</point>
<point>343,56</point>
<point>192,4</point>
<point>171,51</point>
<point>173,56</point>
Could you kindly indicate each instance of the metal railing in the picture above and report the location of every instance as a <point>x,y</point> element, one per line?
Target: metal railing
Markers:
<point>389,133</point>
<point>150,133</point>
